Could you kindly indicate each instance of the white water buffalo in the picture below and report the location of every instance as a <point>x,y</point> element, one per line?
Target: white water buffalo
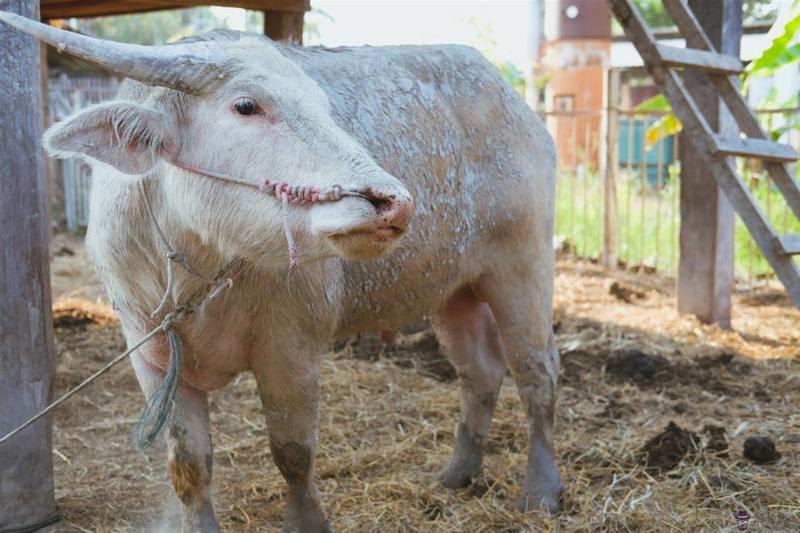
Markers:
<point>434,123</point>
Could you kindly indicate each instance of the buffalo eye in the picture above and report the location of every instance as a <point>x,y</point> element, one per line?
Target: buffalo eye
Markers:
<point>246,106</point>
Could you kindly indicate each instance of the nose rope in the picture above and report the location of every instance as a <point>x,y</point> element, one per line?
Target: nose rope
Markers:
<point>287,194</point>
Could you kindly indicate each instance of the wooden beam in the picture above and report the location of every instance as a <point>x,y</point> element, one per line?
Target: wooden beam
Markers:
<point>709,61</point>
<point>688,25</point>
<point>788,244</point>
<point>705,270</point>
<point>284,26</point>
<point>27,360</point>
<point>60,9</point>
<point>757,148</point>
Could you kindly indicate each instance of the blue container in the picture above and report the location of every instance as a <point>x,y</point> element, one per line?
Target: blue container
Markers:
<point>637,142</point>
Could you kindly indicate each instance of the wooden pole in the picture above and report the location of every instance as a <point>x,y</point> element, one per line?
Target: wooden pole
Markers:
<point>535,35</point>
<point>27,362</point>
<point>284,25</point>
<point>48,167</point>
<point>610,151</point>
<point>705,271</point>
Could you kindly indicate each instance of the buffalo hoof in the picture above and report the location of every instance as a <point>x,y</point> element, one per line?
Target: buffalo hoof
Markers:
<point>309,520</point>
<point>203,521</point>
<point>459,474</point>
<point>325,527</point>
<point>544,498</point>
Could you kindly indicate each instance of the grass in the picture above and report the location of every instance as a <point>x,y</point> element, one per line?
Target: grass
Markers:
<point>649,219</point>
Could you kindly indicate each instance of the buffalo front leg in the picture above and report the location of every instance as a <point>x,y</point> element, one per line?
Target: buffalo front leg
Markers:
<point>289,390</point>
<point>189,451</point>
<point>467,330</point>
<point>521,301</point>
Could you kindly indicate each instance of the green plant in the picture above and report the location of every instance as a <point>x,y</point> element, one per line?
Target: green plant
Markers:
<point>649,219</point>
<point>781,52</point>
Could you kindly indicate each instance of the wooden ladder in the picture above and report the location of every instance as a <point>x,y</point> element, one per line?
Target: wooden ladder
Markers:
<point>720,76</point>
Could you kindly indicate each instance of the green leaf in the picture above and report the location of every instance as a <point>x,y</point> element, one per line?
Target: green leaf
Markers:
<point>779,51</point>
<point>778,132</point>
<point>662,128</point>
<point>656,103</point>
<point>790,55</point>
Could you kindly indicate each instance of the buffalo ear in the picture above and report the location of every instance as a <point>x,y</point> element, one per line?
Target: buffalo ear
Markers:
<point>125,135</point>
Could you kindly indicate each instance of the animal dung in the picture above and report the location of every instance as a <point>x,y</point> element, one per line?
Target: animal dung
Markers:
<point>635,365</point>
<point>666,450</point>
<point>626,294</point>
<point>760,450</point>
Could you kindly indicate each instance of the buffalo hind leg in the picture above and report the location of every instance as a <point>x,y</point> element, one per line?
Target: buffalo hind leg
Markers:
<point>521,301</point>
<point>289,390</point>
<point>467,330</point>
<point>189,451</point>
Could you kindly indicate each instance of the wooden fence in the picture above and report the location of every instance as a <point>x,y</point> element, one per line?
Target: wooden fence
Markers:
<point>647,191</point>
<point>71,178</point>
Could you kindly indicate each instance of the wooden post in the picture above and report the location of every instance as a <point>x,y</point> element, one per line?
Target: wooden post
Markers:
<point>48,167</point>
<point>610,159</point>
<point>705,271</point>
<point>27,362</point>
<point>284,25</point>
<point>535,36</point>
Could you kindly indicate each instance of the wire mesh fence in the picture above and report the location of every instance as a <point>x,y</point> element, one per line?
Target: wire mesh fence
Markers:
<point>648,191</point>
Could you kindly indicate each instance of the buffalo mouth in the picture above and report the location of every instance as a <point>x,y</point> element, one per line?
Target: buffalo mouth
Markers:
<point>365,242</point>
<point>385,232</point>
<point>366,226</point>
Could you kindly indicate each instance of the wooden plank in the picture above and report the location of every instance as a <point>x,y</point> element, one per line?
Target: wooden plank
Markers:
<point>60,9</point>
<point>610,148</point>
<point>734,188</point>
<point>755,148</point>
<point>688,25</point>
<point>692,58</point>
<point>27,359</point>
<point>727,88</point>
<point>747,120</point>
<point>635,28</point>
<point>788,244</point>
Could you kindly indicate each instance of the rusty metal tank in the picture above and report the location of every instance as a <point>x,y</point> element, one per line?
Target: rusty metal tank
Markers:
<point>580,19</point>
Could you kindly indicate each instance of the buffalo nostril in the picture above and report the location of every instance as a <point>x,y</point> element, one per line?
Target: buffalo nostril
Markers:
<point>381,205</point>
<point>398,214</point>
<point>394,208</point>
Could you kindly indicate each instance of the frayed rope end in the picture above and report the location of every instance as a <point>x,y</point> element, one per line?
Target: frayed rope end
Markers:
<point>161,403</point>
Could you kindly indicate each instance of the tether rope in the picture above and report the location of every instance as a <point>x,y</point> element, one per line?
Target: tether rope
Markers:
<point>85,382</point>
<point>161,402</point>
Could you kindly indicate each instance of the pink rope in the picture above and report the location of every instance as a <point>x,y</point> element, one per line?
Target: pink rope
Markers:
<point>302,194</point>
<point>298,194</point>
<point>287,194</point>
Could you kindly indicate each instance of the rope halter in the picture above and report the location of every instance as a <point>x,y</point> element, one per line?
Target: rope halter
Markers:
<point>286,193</point>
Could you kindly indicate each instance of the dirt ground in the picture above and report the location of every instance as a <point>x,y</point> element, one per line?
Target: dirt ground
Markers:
<point>630,366</point>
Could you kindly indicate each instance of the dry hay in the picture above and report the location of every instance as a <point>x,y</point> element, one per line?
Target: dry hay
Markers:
<point>389,415</point>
